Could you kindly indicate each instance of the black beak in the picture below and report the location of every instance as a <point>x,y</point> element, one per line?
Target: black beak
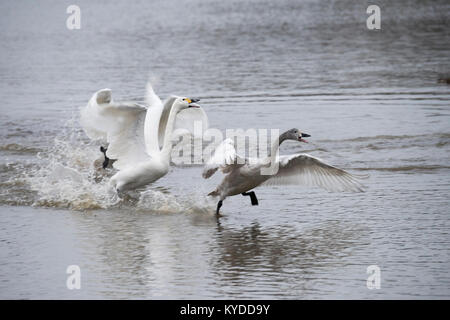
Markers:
<point>305,135</point>
<point>193,103</point>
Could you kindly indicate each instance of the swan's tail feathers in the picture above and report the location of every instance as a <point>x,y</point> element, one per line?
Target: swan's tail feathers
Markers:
<point>214,193</point>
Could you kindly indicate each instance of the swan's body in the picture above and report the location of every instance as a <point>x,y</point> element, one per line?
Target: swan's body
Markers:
<point>139,137</point>
<point>245,174</point>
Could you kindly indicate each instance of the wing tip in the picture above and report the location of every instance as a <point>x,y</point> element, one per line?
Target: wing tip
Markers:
<point>361,176</point>
<point>103,96</point>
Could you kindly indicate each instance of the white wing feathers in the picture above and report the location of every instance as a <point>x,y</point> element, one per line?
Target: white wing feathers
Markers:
<point>91,115</point>
<point>150,96</point>
<point>134,132</point>
<point>307,170</point>
<point>101,113</point>
<point>224,158</point>
<point>126,144</point>
<point>120,124</point>
<point>152,121</point>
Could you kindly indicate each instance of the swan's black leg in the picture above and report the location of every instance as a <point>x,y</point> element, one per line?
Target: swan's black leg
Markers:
<point>252,197</point>
<point>219,204</point>
<point>106,162</point>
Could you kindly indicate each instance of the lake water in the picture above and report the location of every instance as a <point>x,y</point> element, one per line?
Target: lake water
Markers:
<point>371,100</point>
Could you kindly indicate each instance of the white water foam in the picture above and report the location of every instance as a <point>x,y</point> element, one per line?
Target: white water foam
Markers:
<point>70,176</point>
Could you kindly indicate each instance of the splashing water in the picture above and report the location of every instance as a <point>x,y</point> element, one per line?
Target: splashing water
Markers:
<point>70,176</point>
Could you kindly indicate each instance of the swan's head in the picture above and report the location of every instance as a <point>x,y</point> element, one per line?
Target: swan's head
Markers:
<point>184,103</point>
<point>296,134</point>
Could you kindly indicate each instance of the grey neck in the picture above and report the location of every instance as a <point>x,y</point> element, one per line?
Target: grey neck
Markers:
<point>282,137</point>
<point>276,145</point>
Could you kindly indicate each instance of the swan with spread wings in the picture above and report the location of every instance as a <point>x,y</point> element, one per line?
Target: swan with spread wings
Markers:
<point>245,174</point>
<point>139,136</point>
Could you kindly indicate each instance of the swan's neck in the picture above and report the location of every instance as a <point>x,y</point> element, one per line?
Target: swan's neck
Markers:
<point>167,145</point>
<point>275,146</point>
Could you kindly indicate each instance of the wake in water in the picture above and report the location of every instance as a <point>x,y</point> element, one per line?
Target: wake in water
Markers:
<point>70,175</point>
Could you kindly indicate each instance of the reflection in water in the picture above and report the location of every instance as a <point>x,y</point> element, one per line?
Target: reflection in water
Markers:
<point>255,256</point>
<point>370,100</point>
<point>179,255</point>
<point>116,247</point>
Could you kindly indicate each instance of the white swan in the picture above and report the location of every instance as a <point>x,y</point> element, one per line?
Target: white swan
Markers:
<point>245,174</point>
<point>139,137</point>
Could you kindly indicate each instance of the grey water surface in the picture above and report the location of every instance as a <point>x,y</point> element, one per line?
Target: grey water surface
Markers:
<point>374,102</point>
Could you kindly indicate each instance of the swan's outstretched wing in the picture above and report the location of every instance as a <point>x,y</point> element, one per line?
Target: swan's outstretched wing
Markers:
<point>126,142</point>
<point>308,170</point>
<point>120,124</point>
<point>152,121</point>
<point>91,115</point>
<point>102,114</point>
<point>224,158</point>
<point>185,121</point>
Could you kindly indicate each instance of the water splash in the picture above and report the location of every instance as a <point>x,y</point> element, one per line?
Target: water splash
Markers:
<point>70,175</point>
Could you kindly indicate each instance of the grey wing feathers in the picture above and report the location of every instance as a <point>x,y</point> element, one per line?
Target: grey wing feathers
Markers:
<point>307,170</point>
